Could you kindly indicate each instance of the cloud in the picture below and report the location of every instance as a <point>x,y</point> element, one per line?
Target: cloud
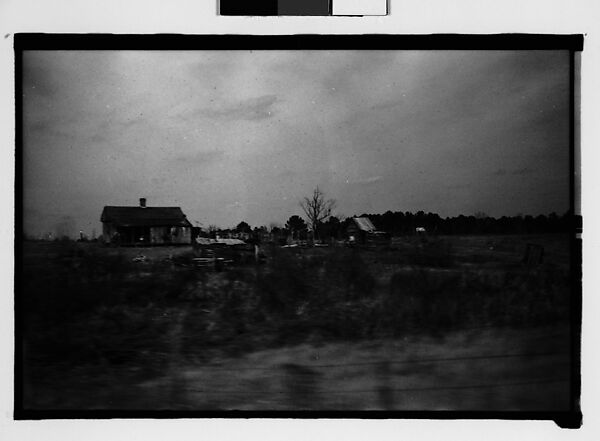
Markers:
<point>286,174</point>
<point>515,172</point>
<point>458,186</point>
<point>201,157</point>
<point>359,124</point>
<point>252,109</point>
<point>369,180</point>
<point>387,105</point>
<point>235,204</point>
<point>38,79</point>
<point>522,171</point>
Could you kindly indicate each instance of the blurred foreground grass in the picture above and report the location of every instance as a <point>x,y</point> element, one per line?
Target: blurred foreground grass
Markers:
<point>101,326</point>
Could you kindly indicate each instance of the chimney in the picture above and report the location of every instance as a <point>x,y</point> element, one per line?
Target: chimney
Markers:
<point>143,202</point>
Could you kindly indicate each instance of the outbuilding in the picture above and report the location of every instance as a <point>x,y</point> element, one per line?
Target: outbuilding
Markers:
<point>361,231</point>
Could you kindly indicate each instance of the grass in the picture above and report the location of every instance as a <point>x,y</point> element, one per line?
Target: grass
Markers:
<point>84,305</point>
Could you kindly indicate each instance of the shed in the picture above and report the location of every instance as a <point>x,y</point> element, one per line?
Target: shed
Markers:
<point>145,225</point>
<point>362,231</point>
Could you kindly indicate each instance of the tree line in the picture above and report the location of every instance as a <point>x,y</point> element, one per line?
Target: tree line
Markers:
<point>319,223</point>
<point>399,223</point>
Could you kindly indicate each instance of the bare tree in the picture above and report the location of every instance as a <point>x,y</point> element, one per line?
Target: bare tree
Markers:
<point>317,208</point>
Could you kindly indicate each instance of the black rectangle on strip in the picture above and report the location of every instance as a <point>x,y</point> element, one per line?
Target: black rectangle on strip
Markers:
<point>304,7</point>
<point>248,7</point>
<point>39,41</point>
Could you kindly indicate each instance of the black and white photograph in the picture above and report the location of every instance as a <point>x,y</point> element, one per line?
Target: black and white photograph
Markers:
<point>304,230</point>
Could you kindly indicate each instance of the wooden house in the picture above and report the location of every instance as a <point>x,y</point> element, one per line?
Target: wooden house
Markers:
<point>144,225</point>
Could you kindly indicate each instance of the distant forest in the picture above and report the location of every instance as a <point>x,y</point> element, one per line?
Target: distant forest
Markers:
<point>402,223</point>
<point>398,223</point>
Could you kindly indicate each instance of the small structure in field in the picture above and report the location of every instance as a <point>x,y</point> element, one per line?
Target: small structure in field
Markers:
<point>361,231</point>
<point>534,254</point>
<point>144,225</point>
<point>219,242</point>
<point>224,249</point>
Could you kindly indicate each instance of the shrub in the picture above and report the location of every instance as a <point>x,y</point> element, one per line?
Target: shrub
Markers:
<point>285,284</point>
<point>430,299</point>
<point>345,274</point>
<point>424,298</point>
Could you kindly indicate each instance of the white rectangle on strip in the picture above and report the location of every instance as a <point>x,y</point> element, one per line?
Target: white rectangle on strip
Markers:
<point>359,7</point>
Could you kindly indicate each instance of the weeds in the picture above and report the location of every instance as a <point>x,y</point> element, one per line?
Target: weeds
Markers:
<point>88,305</point>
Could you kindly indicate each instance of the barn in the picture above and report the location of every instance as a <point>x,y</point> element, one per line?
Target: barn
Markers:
<point>145,225</point>
<point>362,231</point>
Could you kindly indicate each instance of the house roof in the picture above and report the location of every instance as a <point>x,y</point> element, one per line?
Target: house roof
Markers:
<point>145,216</point>
<point>364,224</point>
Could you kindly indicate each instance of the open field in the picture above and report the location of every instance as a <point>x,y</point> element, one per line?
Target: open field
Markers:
<point>455,322</point>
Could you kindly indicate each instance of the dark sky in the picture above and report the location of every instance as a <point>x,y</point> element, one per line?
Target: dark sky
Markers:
<point>244,135</point>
